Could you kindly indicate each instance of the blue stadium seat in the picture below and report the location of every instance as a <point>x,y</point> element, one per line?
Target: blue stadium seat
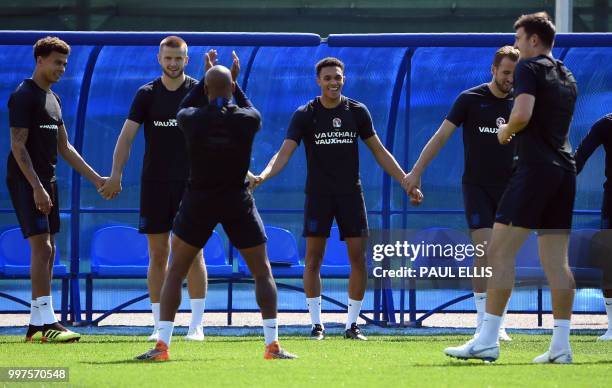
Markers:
<point>441,236</point>
<point>119,251</point>
<point>15,264</point>
<point>15,256</point>
<point>215,258</point>
<point>282,253</point>
<point>528,267</point>
<point>580,261</point>
<point>335,261</point>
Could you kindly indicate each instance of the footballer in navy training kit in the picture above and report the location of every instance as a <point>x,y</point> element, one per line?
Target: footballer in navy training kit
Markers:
<point>540,194</point>
<point>164,174</point>
<point>601,135</point>
<point>38,134</point>
<point>329,126</point>
<point>219,138</point>
<point>481,110</point>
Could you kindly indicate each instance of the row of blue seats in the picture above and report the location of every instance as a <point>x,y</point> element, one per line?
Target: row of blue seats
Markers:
<point>120,251</point>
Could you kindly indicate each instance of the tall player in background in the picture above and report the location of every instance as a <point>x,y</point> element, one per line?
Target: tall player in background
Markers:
<point>540,194</point>
<point>164,174</point>
<point>330,126</point>
<point>38,134</point>
<point>219,138</point>
<point>601,134</point>
<point>488,165</point>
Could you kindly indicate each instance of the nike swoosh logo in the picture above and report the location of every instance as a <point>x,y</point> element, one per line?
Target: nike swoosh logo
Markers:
<point>43,304</point>
<point>553,359</point>
<point>608,304</point>
<point>270,327</point>
<point>475,353</point>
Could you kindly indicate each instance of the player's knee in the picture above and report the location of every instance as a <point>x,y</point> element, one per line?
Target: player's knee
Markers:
<point>358,261</point>
<point>42,252</point>
<point>158,258</point>
<point>261,270</point>
<point>313,263</point>
<point>494,254</point>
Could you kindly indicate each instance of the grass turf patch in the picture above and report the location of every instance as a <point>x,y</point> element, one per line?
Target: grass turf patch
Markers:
<point>383,361</point>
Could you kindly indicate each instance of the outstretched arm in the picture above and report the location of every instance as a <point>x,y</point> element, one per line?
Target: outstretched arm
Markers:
<point>389,164</point>
<point>75,160</point>
<point>112,186</point>
<point>384,158</point>
<point>519,118</point>
<point>278,161</point>
<point>429,152</point>
<point>587,146</point>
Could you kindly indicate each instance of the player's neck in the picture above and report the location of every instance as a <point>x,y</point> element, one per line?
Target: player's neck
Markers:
<point>539,52</point>
<point>172,83</point>
<point>41,81</point>
<point>495,90</point>
<point>330,103</point>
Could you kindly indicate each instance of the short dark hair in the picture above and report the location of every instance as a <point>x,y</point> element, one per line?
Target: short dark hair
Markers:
<point>538,23</point>
<point>505,52</point>
<point>45,46</point>
<point>173,41</point>
<point>329,62</point>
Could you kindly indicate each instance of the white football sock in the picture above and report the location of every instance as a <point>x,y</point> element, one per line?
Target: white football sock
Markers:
<point>35,318</point>
<point>197,311</point>
<point>45,308</point>
<point>560,337</point>
<point>165,328</point>
<point>608,303</point>
<point>489,331</point>
<point>314,308</point>
<point>354,307</point>
<point>155,309</point>
<point>480,300</point>
<point>270,329</point>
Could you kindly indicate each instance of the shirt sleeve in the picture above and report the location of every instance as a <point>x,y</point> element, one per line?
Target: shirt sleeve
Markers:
<point>295,131</point>
<point>241,99</point>
<point>20,110</point>
<point>254,113</point>
<point>196,97</point>
<point>183,117</point>
<point>365,126</point>
<point>458,111</point>
<point>140,105</point>
<point>525,79</point>
<point>59,102</point>
<point>589,144</point>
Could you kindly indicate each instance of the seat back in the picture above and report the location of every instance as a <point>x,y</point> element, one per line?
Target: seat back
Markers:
<point>15,250</point>
<point>335,250</point>
<point>528,256</point>
<point>119,245</point>
<point>439,240</point>
<point>282,247</point>
<point>579,247</point>
<point>214,251</point>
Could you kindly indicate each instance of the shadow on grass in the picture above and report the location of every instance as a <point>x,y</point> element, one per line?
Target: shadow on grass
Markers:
<point>129,361</point>
<point>475,363</point>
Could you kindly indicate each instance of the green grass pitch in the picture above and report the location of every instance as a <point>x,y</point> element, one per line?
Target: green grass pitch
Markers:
<point>384,361</point>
